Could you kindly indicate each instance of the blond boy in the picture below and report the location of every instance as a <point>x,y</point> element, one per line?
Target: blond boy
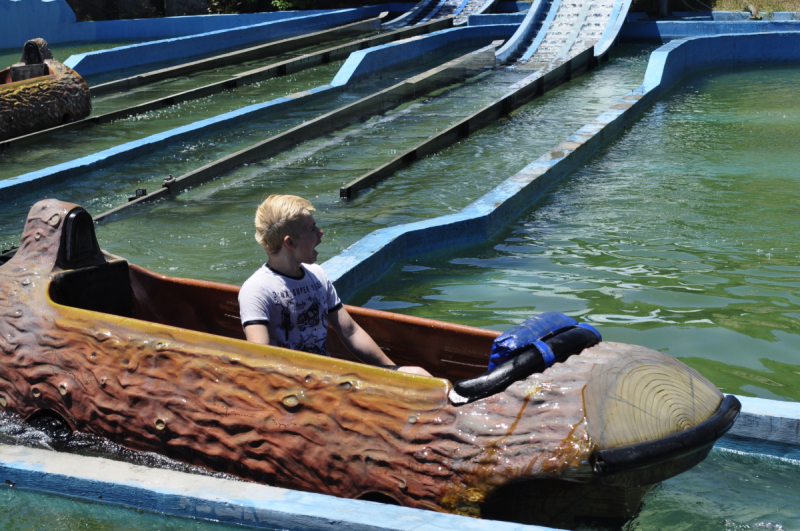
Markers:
<point>289,301</point>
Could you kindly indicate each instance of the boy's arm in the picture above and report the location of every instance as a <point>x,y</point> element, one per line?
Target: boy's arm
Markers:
<point>361,344</point>
<point>356,339</point>
<point>257,333</point>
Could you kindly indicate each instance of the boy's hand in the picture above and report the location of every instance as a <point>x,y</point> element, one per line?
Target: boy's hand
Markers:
<point>415,370</point>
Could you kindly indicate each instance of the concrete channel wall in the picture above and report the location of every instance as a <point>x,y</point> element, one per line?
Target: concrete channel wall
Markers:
<point>369,258</point>
<point>54,20</point>
<point>526,28</point>
<point>667,30</point>
<point>764,427</point>
<point>498,18</point>
<point>148,53</point>
<point>409,16</point>
<point>380,61</point>
<point>217,500</point>
<point>388,56</point>
<point>616,22</point>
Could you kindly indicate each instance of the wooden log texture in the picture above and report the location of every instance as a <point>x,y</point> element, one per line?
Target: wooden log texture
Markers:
<point>43,102</point>
<point>308,422</point>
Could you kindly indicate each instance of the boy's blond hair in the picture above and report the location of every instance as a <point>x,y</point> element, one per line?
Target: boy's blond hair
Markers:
<point>280,216</point>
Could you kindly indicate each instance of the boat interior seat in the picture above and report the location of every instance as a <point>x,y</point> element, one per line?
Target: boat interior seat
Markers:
<point>102,288</point>
<point>23,72</point>
<point>88,280</point>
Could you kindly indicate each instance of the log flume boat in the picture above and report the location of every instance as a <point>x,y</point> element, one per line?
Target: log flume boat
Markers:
<point>159,364</point>
<point>39,92</point>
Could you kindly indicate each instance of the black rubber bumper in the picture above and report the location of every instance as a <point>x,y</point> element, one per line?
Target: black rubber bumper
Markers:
<point>641,455</point>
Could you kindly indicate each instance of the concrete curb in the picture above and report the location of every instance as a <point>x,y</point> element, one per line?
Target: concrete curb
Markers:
<point>526,27</point>
<point>214,499</point>
<point>368,259</point>
<point>766,427</point>
<point>667,30</point>
<point>55,21</point>
<point>260,51</point>
<point>405,18</point>
<point>146,53</point>
<point>374,62</point>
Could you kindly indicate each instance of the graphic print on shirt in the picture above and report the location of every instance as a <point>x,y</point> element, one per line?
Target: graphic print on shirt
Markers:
<point>286,304</point>
<point>309,318</point>
<point>309,344</point>
<point>295,309</point>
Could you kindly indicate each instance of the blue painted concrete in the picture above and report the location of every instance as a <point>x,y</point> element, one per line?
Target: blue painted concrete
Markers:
<point>206,498</point>
<point>54,20</point>
<point>613,27</point>
<point>137,55</point>
<point>19,19</point>
<point>369,258</point>
<point>359,67</point>
<point>548,20</point>
<point>497,18</point>
<point>528,25</point>
<point>667,30</point>
<point>511,7</point>
<point>383,59</point>
<point>408,17</point>
<point>767,427</point>
<point>720,16</point>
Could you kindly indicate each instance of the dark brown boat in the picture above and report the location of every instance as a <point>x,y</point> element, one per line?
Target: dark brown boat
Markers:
<point>39,92</point>
<point>159,364</point>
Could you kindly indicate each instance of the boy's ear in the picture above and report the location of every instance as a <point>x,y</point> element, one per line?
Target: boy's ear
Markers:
<point>288,242</point>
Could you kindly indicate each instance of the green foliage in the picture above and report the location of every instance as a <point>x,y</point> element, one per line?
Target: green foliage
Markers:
<point>235,6</point>
<point>286,5</point>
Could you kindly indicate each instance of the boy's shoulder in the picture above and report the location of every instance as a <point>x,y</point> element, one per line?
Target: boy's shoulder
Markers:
<point>260,276</point>
<point>316,270</point>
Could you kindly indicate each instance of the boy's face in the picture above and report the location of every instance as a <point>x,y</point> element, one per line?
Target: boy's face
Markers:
<point>306,243</point>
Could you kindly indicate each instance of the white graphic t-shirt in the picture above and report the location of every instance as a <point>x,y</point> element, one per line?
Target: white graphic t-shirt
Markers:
<point>295,310</point>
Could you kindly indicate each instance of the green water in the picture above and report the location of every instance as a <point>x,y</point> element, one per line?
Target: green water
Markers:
<point>210,227</point>
<point>33,511</point>
<point>682,236</point>
<point>729,491</point>
<point>61,51</point>
<point>97,79</point>
<point>70,145</point>
<point>105,103</point>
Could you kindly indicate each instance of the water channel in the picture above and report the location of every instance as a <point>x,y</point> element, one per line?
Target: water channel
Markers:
<point>680,236</point>
<point>211,226</point>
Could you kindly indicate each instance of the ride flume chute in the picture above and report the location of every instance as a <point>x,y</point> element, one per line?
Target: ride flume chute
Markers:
<point>160,364</point>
